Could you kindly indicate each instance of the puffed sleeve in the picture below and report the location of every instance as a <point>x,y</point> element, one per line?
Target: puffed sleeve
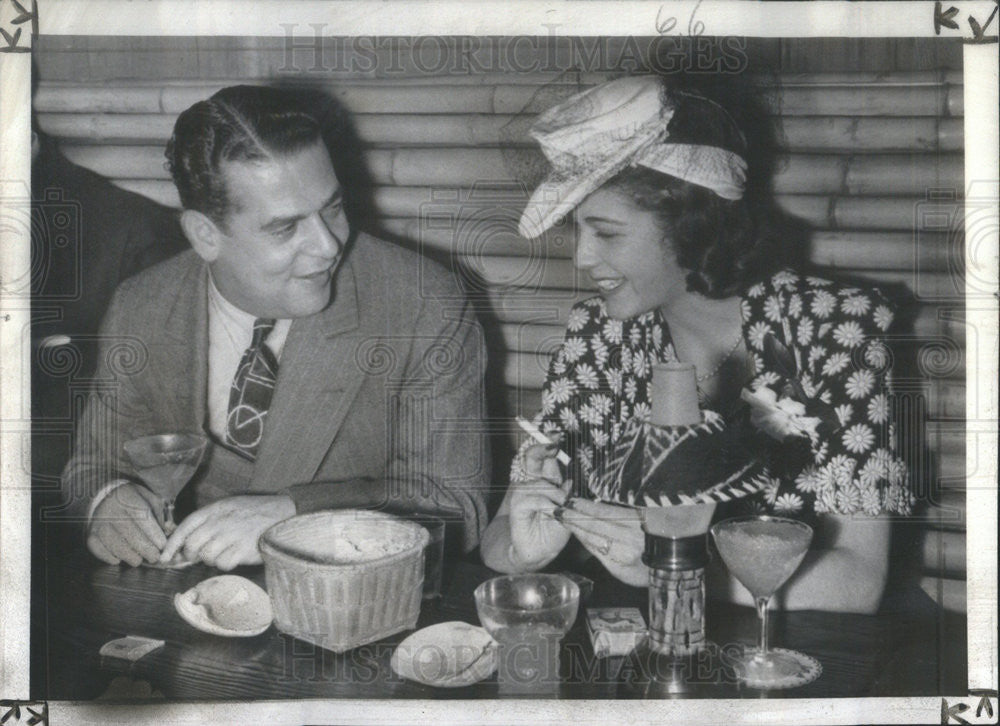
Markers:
<point>838,334</point>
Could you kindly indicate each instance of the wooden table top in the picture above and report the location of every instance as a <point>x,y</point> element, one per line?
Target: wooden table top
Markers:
<point>894,653</point>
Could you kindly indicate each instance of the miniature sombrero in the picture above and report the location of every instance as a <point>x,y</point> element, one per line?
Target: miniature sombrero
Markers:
<point>666,466</point>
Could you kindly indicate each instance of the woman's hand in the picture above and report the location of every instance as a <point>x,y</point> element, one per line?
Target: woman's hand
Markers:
<point>536,535</point>
<point>613,534</point>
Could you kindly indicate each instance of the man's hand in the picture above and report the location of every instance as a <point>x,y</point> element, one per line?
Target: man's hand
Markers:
<point>224,534</point>
<point>126,526</point>
<point>611,533</point>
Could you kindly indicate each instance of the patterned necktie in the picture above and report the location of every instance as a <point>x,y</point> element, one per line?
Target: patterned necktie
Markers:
<point>251,392</point>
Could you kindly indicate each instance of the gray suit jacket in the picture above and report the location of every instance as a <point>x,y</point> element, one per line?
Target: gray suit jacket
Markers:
<point>385,383</point>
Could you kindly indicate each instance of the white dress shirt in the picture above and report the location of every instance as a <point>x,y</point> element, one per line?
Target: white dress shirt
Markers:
<point>230,331</point>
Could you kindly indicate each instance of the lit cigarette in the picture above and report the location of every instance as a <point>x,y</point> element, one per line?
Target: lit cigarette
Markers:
<point>533,431</point>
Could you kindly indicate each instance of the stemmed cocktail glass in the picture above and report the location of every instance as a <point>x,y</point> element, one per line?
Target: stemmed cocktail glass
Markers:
<point>166,463</point>
<point>762,552</point>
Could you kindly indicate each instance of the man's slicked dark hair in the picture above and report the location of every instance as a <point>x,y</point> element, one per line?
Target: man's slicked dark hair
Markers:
<point>239,123</point>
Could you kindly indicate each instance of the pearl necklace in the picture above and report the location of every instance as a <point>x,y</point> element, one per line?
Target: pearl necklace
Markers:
<point>715,371</point>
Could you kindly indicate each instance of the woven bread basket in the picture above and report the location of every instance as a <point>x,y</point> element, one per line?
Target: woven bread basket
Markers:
<point>345,578</point>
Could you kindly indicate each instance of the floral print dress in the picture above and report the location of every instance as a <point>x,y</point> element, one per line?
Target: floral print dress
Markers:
<point>833,356</point>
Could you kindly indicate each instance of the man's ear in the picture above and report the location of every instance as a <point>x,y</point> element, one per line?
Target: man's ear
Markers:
<point>203,234</point>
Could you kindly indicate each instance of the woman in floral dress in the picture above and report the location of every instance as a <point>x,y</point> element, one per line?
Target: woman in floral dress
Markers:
<point>655,181</point>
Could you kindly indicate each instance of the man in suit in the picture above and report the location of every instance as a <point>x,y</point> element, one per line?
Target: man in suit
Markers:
<point>328,368</point>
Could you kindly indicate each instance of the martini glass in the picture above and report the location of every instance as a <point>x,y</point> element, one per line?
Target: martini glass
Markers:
<point>762,552</point>
<point>166,463</point>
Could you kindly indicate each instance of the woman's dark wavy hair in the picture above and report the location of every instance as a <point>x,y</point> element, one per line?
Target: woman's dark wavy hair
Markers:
<point>239,123</point>
<point>724,245</point>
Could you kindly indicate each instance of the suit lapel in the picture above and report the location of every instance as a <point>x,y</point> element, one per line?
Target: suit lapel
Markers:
<point>318,378</point>
<point>180,361</point>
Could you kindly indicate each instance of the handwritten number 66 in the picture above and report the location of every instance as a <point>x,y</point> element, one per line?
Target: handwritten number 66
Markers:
<point>665,25</point>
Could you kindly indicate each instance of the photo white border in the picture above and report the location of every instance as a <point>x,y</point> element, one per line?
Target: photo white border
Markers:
<point>522,17</point>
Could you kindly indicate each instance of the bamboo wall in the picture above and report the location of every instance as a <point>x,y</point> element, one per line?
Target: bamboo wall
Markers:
<point>873,148</point>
